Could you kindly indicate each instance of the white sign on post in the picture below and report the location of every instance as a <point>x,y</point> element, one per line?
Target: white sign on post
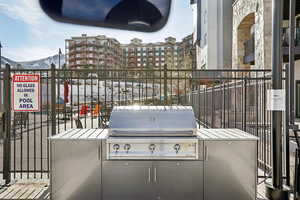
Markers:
<point>276,100</point>
<point>26,92</point>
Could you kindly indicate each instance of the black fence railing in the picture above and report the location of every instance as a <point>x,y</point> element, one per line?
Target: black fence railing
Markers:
<point>239,103</point>
<point>85,98</point>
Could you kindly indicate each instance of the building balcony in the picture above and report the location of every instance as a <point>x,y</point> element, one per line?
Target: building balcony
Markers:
<point>249,56</point>
<point>285,45</point>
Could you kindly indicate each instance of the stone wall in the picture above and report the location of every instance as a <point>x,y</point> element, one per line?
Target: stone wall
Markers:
<point>245,14</point>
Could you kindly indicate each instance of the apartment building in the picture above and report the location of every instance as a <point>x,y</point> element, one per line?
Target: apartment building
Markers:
<point>170,53</point>
<point>93,52</point>
<point>104,52</point>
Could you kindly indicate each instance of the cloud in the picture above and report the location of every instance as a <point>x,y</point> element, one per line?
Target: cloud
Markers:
<point>29,53</point>
<point>28,11</point>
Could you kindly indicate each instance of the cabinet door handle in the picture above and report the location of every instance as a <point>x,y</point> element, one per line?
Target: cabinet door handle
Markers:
<point>155,175</point>
<point>205,153</point>
<point>99,153</point>
<point>149,175</point>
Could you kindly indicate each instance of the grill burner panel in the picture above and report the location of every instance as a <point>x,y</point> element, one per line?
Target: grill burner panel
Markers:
<point>152,148</point>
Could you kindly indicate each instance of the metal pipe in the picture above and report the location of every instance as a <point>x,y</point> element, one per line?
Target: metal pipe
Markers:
<point>53,100</point>
<point>276,128</point>
<point>292,61</point>
<point>287,130</point>
<point>6,139</point>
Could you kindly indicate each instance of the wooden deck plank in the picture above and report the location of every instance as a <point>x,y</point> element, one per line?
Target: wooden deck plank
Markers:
<point>37,193</point>
<point>23,191</point>
<point>15,192</point>
<point>6,192</point>
<point>3,190</point>
<point>27,193</point>
<point>19,192</point>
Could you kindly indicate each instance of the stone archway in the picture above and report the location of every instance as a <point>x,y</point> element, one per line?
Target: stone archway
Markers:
<point>244,34</point>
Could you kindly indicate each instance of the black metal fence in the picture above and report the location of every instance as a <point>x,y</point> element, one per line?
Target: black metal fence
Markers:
<point>85,97</point>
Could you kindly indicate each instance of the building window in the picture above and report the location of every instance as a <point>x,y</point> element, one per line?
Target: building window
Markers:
<point>298,98</point>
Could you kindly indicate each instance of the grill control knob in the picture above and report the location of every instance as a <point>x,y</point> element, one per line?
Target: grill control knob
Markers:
<point>177,147</point>
<point>152,147</point>
<point>127,147</point>
<point>116,147</point>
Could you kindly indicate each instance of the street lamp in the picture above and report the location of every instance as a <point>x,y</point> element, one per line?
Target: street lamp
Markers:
<point>59,54</point>
<point>0,56</point>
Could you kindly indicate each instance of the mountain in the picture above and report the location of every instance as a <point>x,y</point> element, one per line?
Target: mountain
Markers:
<point>44,63</point>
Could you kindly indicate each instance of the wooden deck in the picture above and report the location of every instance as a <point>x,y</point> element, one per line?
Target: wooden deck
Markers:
<point>26,190</point>
<point>39,189</point>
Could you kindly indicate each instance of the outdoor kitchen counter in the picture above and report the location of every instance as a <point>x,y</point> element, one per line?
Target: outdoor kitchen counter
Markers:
<point>230,164</point>
<point>224,135</point>
<point>81,134</point>
<point>76,164</point>
<point>202,134</point>
<point>225,169</point>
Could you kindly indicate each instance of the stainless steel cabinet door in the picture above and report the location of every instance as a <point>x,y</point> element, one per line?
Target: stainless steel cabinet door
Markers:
<point>230,170</point>
<point>75,170</point>
<point>178,180</point>
<point>127,180</point>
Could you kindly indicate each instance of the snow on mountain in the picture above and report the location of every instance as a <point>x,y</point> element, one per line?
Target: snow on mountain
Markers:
<point>5,61</point>
<point>44,63</point>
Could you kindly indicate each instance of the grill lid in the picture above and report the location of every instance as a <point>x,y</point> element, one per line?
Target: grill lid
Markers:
<point>152,121</point>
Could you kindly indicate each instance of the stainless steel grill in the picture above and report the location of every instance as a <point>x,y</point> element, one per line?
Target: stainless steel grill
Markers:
<point>153,121</point>
<point>148,132</point>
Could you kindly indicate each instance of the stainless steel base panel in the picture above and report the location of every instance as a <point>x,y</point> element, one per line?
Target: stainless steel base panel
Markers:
<point>75,170</point>
<point>151,180</point>
<point>230,170</point>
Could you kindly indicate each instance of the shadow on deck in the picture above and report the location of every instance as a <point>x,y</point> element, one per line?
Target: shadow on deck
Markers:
<point>26,190</point>
<point>39,190</point>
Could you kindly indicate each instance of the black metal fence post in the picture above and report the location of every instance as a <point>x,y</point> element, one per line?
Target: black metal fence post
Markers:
<point>53,100</point>
<point>7,126</point>
<point>287,124</point>
<point>166,86</point>
<point>296,178</point>
<point>245,105</point>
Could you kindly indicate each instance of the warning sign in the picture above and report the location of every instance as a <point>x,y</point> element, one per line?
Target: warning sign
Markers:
<point>26,92</point>
<point>276,100</point>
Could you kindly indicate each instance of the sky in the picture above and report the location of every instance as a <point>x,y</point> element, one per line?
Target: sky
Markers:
<point>26,33</point>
